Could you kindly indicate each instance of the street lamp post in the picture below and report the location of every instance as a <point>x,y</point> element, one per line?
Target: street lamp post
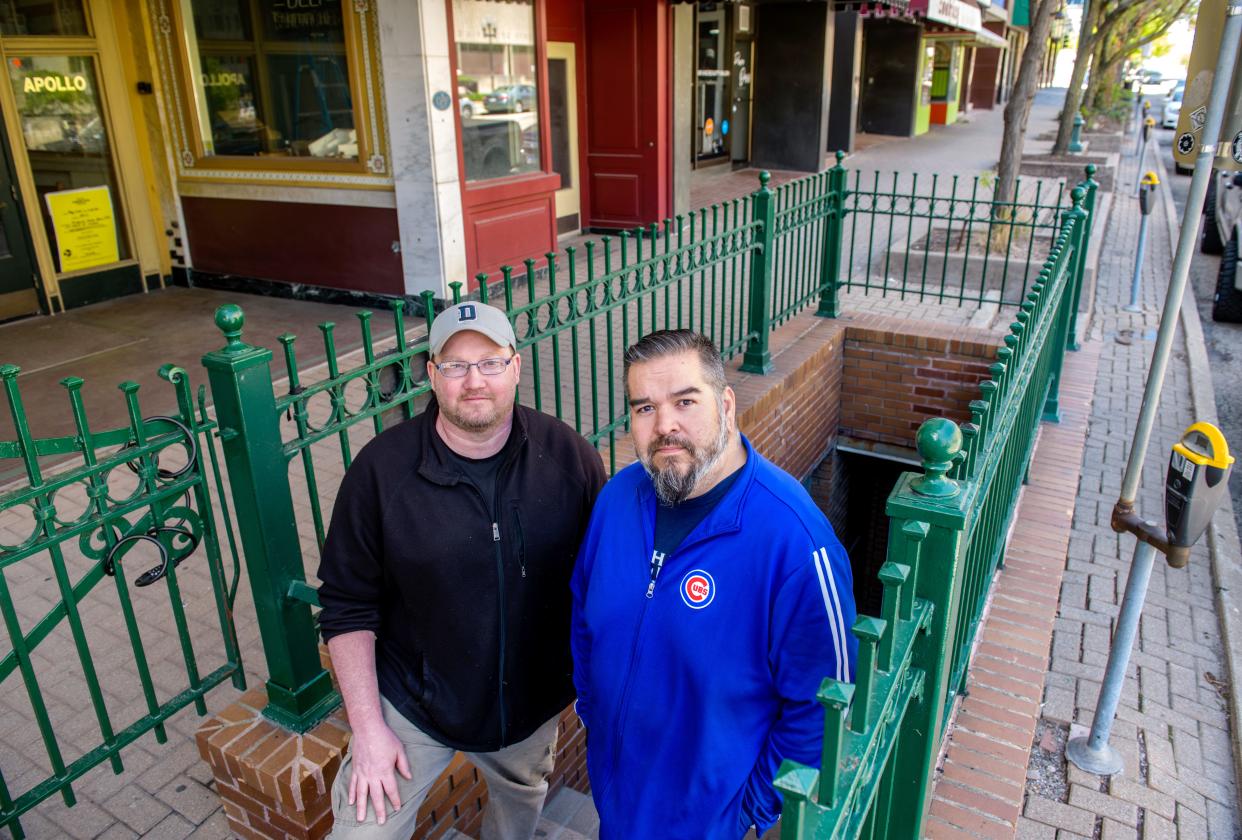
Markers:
<point>489,33</point>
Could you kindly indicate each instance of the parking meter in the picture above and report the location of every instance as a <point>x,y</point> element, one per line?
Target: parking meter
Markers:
<point>1148,125</point>
<point>1197,481</point>
<point>1147,193</point>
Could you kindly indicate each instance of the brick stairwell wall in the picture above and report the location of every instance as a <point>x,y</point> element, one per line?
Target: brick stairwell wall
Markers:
<point>868,377</point>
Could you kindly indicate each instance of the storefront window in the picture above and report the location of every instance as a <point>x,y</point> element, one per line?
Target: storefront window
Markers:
<point>67,144</point>
<point>496,86</point>
<point>273,78</point>
<point>41,17</point>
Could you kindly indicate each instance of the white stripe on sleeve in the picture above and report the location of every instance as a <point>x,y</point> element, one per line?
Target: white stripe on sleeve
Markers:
<point>837,641</point>
<point>836,616</point>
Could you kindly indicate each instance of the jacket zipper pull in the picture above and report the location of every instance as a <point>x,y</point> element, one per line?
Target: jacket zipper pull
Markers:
<point>657,563</point>
<point>495,532</point>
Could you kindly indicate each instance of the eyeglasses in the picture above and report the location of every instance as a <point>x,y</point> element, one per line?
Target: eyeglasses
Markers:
<point>487,367</point>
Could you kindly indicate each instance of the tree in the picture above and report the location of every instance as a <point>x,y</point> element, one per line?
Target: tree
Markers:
<point>1112,30</point>
<point>1018,108</point>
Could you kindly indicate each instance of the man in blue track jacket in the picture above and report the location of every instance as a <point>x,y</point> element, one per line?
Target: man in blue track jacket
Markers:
<point>711,598</point>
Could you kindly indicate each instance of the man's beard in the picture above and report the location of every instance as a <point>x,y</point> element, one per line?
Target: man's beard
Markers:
<point>472,423</point>
<point>672,486</point>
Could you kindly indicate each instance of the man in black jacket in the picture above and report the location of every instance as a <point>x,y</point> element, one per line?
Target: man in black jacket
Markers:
<point>445,589</point>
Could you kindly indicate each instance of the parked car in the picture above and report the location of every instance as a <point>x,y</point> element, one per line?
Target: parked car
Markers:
<point>515,98</point>
<point>1172,107</point>
<point>1222,228</point>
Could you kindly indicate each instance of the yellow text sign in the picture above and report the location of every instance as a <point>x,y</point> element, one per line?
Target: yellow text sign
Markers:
<point>85,227</point>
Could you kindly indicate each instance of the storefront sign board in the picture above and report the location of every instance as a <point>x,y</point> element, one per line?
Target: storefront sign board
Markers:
<point>85,227</point>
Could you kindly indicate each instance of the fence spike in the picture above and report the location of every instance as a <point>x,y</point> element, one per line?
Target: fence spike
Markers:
<point>894,577</point>
<point>869,630</point>
<point>915,532</point>
<point>835,696</point>
<point>455,286</point>
<point>364,324</point>
<point>798,783</point>
<point>329,348</point>
<point>397,307</point>
<point>484,291</point>
<point>291,361</point>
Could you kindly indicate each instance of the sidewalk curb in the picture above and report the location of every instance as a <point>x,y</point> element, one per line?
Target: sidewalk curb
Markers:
<point>1222,537</point>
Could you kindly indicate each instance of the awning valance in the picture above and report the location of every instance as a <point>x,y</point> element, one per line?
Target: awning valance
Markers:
<point>955,14</point>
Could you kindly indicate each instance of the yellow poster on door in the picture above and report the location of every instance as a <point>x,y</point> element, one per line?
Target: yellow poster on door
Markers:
<point>85,227</point>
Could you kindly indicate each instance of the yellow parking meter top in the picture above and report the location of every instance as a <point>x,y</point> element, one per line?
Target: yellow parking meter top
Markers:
<point>1150,121</point>
<point>1150,179</point>
<point>1203,445</point>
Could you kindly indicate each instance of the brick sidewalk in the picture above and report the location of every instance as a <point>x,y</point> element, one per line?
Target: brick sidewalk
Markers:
<point>1004,771</point>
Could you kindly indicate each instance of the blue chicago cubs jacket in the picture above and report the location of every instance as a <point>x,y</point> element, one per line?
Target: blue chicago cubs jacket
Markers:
<point>693,697</point>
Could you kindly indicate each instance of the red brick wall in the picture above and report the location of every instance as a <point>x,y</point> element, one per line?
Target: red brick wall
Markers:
<point>894,380</point>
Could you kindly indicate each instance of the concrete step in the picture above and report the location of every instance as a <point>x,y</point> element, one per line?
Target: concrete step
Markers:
<point>568,815</point>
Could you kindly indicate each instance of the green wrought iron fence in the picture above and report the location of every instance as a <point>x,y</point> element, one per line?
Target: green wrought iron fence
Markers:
<point>947,530</point>
<point>127,498</point>
<point>735,271</point>
<point>948,242</point>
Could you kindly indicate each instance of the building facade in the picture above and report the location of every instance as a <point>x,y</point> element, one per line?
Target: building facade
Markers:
<point>356,149</point>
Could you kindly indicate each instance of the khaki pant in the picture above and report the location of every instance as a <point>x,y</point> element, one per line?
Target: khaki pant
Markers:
<point>517,783</point>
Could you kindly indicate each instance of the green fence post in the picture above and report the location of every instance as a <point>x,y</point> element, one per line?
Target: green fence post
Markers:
<point>1090,185</point>
<point>758,359</point>
<point>299,690</point>
<point>1073,237</point>
<point>927,516</point>
<point>830,256</point>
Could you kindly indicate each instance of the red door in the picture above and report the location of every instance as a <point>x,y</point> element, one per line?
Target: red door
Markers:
<point>627,121</point>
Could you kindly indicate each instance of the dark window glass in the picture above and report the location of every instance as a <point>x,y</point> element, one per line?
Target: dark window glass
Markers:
<point>42,17</point>
<point>285,91</point>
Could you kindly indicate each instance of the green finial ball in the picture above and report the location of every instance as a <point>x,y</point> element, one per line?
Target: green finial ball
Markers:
<point>1078,194</point>
<point>229,320</point>
<point>1091,170</point>
<point>765,177</point>
<point>840,156</point>
<point>938,440</point>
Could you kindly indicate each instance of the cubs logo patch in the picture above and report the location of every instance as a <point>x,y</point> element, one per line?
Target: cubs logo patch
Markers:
<point>697,589</point>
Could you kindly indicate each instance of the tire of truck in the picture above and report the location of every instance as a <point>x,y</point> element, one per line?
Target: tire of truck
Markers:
<point>1227,305</point>
<point>1211,242</point>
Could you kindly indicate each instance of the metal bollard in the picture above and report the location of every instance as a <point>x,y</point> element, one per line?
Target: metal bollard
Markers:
<point>1075,144</point>
<point>1147,200</point>
<point>1148,125</point>
<point>1141,137</point>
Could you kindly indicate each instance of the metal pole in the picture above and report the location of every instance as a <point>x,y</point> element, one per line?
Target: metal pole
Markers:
<point>1138,173</point>
<point>1093,753</point>
<point>1186,242</point>
<point>1137,282</point>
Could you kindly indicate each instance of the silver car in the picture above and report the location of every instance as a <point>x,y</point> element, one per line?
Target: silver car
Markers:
<point>1222,228</point>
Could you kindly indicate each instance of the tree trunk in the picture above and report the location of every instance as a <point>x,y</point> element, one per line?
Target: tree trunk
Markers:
<point>1018,109</point>
<point>1098,74</point>
<point>1082,59</point>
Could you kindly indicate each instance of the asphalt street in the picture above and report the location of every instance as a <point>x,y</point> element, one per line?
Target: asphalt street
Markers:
<point>1224,341</point>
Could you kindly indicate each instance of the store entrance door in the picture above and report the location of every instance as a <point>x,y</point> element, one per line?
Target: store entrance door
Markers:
<point>17,274</point>
<point>711,101</point>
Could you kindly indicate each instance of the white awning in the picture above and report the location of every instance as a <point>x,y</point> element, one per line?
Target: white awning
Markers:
<point>955,13</point>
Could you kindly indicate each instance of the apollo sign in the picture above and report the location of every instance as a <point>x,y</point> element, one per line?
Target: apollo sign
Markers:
<point>55,84</point>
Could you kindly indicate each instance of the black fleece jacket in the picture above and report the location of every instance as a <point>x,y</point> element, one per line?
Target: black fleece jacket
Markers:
<point>471,613</point>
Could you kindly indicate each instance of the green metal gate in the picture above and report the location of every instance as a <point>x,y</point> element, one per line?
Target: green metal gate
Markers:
<point>102,544</point>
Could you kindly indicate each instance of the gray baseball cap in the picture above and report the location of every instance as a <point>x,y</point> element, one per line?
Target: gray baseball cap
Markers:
<point>479,317</point>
